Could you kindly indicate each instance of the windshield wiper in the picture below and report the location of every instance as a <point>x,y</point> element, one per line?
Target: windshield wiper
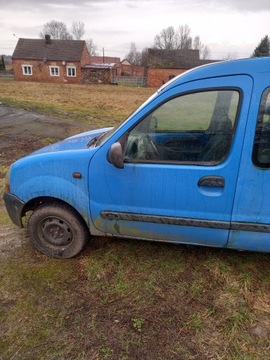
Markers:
<point>96,140</point>
<point>92,142</point>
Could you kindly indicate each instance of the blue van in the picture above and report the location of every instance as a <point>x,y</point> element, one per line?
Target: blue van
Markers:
<point>191,165</point>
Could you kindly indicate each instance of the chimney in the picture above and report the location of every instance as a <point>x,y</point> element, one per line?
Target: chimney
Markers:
<point>47,39</point>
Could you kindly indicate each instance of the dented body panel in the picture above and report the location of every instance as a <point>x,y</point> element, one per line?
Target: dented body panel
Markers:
<point>191,165</point>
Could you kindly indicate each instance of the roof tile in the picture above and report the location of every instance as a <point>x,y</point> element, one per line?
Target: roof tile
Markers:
<point>38,49</point>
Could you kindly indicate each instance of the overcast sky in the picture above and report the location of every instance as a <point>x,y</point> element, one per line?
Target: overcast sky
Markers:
<point>226,26</point>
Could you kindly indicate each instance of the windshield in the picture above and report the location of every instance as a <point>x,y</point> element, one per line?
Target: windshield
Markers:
<point>103,137</point>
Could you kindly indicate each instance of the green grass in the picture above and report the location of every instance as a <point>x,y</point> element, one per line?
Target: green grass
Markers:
<point>130,299</point>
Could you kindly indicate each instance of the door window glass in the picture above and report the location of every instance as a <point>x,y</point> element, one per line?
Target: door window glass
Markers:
<point>192,128</point>
<point>261,148</point>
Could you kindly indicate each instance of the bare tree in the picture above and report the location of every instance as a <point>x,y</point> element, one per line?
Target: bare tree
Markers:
<point>91,46</point>
<point>77,30</point>
<point>230,56</point>
<point>203,49</point>
<point>205,53</point>
<point>166,39</point>
<point>185,40</point>
<point>2,63</point>
<point>134,56</point>
<point>144,57</point>
<point>56,29</point>
<point>171,39</point>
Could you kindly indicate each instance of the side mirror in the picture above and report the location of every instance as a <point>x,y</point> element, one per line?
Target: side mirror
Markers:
<point>116,156</point>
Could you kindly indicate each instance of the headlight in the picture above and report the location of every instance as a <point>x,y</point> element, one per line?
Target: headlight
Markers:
<point>7,182</point>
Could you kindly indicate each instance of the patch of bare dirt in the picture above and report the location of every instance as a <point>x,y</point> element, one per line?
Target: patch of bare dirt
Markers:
<point>22,132</point>
<point>12,239</point>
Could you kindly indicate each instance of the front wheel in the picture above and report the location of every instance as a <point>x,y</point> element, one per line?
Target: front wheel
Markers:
<point>57,230</point>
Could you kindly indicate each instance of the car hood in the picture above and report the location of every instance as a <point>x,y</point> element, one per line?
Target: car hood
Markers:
<point>76,142</point>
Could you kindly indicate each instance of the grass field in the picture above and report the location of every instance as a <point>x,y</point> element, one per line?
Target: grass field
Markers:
<point>125,299</point>
<point>99,104</point>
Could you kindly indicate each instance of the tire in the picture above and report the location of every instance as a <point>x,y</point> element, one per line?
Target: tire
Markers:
<point>57,230</point>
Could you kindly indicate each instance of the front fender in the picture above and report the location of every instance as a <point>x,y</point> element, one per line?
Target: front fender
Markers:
<point>71,192</point>
<point>62,175</point>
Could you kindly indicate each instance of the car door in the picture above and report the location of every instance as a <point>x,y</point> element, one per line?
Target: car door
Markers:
<point>180,193</point>
<point>251,215</point>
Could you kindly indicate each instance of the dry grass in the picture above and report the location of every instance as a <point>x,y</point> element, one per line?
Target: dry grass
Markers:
<point>110,103</point>
<point>128,299</point>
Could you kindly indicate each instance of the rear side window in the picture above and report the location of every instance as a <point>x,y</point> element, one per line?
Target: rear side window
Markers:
<point>261,148</point>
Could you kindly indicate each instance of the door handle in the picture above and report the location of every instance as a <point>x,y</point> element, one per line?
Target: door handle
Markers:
<point>212,181</point>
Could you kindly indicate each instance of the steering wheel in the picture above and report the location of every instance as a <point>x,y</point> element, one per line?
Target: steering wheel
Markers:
<point>132,148</point>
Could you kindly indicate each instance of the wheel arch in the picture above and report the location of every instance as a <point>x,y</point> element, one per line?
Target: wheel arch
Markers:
<point>34,203</point>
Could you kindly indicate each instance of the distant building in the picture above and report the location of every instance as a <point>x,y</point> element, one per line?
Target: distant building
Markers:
<point>162,65</point>
<point>101,70</point>
<point>68,61</point>
<point>97,73</point>
<point>104,59</point>
<point>8,63</point>
<point>128,69</point>
<point>49,60</point>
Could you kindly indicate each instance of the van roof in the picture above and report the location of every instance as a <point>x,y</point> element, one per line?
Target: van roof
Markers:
<point>250,66</point>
